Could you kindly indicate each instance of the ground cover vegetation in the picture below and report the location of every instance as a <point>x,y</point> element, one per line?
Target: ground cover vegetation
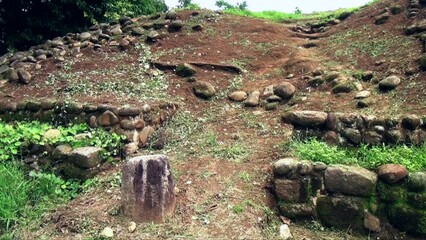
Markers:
<point>25,195</point>
<point>371,157</point>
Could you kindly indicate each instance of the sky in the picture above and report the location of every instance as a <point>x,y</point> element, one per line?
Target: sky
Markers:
<point>307,6</point>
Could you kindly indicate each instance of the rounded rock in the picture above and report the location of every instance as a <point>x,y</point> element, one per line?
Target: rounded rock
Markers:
<point>392,173</point>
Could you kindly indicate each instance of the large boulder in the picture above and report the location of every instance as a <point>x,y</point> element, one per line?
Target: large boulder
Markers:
<point>306,118</point>
<point>148,189</point>
<point>351,180</point>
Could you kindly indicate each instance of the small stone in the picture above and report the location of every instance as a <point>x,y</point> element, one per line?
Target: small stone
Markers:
<point>253,99</point>
<point>62,152</point>
<point>145,135</point>
<point>13,75</point>
<point>130,148</point>
<point>185,70</point>
<point>24,76</point>
<point>330,76</point>
<point>172,15</point>
<point>176,25</point>
<point>107,233</point>
<point>86,157</point>
<point>269,91</point>
<point>285,90</point>
<point>107,119</point>
<point>238,96</point>
<point>389,83</point>
<point>132,227</point>
<point>381,18</point>
<point>153,36</point>
<point>85,36</point>
<point>116,30</point>
<point>197,28</point>
<point>392,173</point>
<point>51,134</point>
<point>363,94</point>
<point>204,89</point>
<point>136,31</point>
<point>285,232</point>
<point>317,71</point>
<point>371,222</point>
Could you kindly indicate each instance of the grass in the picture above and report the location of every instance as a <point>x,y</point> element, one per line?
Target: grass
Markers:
<point>282,16</point>
<point>370,157</point>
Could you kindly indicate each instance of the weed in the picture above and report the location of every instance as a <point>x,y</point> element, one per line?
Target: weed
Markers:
<point>235,152</point>
<point>245,176</point>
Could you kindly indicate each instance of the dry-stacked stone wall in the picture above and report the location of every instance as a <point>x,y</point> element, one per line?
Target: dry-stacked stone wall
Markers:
<point>351,197</point>
<point>355,129</point>
<point>138,124</point>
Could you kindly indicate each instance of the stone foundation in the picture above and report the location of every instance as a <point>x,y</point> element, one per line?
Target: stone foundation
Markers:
<point>350,197</point>
<point>355,129</point>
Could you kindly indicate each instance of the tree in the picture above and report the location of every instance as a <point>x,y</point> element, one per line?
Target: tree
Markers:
<point>226,5</point>
<point>24,23</point>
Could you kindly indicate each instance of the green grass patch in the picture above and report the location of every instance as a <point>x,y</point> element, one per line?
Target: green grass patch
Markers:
<point>282,16</point>
<point>371,157</point>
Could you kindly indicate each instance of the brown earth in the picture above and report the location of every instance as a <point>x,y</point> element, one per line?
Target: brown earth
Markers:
<point>221,151</point>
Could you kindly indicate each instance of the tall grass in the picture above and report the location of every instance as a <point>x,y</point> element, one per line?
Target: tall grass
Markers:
<point>371,157</point>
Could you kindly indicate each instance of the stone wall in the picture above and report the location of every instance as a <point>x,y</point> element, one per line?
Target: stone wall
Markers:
<point>351,197</point>
<point>136,123</point>
<point>356,129</point>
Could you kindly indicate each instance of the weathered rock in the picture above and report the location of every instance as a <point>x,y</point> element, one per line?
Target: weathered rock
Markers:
<point>197,28</point>
<point>145,135</point>
<point>268,91</point>
<point>285,166</point>
<point>411,122</point>
<point>285,90</point>
<point>316,81</point>
<point>352,135</point>
<point>107,119</point>
<point>291,191</point>
<point>132,227</point>
<point>185,70</point>
<point>172,15</point>
<point>175,25</point>
<point>148,189</point>
<point>153,36</point>
<point>51,134</point>
<point>56,43</point>
<point>372,138</point>
<point>389,83</point>
<point>107,233</point>
<point>381,18</point>
<point>392,173</point>
<point>116,30</point>
<point>127,124</point>
<point>24,76</point>
<point>317,71</point>
<point>62,152</point>
<point>253,99</point>
<point>341,212</point>
<point>84,36</point>
<point>362,94</point>
<point>130,148</point>
<point>330,76</point>
<point>129,112</point>
<point>345,87</point>
<point>417,181</point>
<point>137,31</point>
<point>331,138</point>
<point>297,210</point>
<point>371,222</point>
<point>238,96</point>
<point>350,180</point>
<point>407,218</point>
<point>306,118</point>
<point>204,89</point>
<point>285,232</point>
<point>86,157</point>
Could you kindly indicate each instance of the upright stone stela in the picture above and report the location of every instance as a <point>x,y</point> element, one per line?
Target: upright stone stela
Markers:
<point>148,189</point>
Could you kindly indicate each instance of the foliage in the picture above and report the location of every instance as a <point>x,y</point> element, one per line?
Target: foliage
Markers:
<point>228,6</point>
<point>40,20</point>
<point>371,157</point>
<point>17,137</point>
